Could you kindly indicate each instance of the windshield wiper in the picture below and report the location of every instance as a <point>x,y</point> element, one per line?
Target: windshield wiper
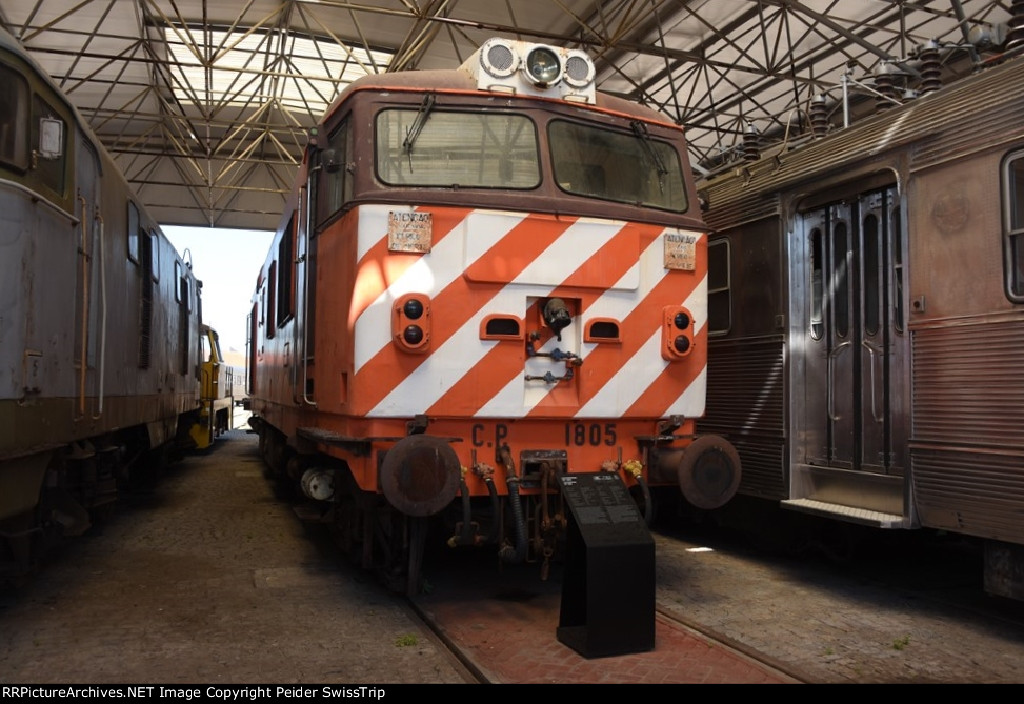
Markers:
<point>417,126</point>
<point>640,130</point>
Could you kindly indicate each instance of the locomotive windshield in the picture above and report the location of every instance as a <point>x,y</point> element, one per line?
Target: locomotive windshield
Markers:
<point>466,149</point>
<point>429,147</point>
<point>593,161</point>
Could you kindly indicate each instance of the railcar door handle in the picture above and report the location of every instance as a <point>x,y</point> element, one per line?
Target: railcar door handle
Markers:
<point>831,379</point>
<point>874,353</point>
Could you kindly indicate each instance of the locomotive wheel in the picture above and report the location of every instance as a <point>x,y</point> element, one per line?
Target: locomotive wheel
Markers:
<point>414,562</point>
<point>709,472</point>
<point>374,535</point>
<point>20,547</point>
<point>398,545</point>
<point>348,514</point>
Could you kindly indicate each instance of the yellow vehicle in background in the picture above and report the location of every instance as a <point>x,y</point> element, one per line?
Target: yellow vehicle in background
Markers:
<point>217,389</point>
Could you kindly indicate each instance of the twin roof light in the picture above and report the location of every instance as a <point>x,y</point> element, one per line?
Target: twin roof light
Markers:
<point>509,66</point>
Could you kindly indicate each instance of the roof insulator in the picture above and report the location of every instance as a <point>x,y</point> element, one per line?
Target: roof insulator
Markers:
<point>931,67</point>
<point>751,144</point>
<point>819,116</point>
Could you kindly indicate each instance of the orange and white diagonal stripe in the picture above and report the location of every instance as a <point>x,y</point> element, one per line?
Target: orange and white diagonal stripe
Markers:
<point>483,263</point>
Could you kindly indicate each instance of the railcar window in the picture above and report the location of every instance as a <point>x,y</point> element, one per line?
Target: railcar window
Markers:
<point>597,162</point>
<point>334,185</point>
<point>14,119</point>
<point>872,278</point>
<point>250,348</point>
<point>183,341</point>
<point>183,293</point>
<point>719,296</point>
<point>465,149</point>
<point>897,263</point>
<point>1013,199</point>
<point>286,278</point>
<point>817,284</point>
<point>840,281</point>
<point>154,245</point>
<point>133,232</point>
<point>50,161</point>
<point>271,301</point>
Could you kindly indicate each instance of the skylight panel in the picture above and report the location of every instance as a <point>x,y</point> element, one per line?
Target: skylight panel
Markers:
<point>234,68</point>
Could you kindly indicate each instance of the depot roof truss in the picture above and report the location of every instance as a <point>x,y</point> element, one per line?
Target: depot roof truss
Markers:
<point>207,109</point>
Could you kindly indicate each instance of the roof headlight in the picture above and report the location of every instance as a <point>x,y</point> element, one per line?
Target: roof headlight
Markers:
<point>543,66</point>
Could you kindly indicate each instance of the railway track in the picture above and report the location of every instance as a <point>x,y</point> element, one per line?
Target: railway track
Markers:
<point>503,621</point>
<point>211,578</point>
<point>904,608</point>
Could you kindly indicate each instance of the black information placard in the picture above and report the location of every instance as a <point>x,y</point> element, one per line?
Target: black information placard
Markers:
<point>608,588</point>
<point>598,499</point>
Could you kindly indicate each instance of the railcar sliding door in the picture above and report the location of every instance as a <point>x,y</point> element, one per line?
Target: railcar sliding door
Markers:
<point>851,357</point>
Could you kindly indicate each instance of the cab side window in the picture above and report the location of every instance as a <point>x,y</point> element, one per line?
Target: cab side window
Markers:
<point>14,119</point>
<point>335,182</point>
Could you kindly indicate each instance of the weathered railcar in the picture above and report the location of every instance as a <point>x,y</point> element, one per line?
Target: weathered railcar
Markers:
<point>866,295</point>
<point>99,323</point>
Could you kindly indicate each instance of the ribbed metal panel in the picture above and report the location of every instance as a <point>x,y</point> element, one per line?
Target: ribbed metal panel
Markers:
<point>967,447</point>
<point>968,384</point>
<point>730,206</point>
<point>762,475</point>
<point>745,403</point>
<point>969,492</point>
<point>1002,123</point>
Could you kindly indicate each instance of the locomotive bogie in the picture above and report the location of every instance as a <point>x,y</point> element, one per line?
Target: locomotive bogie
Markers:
<point>476,487</point>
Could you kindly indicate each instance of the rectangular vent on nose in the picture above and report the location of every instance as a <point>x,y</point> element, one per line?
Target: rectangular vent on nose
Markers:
<point>501,327</point>
<point>602,330</point>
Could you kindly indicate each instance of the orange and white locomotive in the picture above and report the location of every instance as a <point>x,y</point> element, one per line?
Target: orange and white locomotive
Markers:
<point>485,278</point>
